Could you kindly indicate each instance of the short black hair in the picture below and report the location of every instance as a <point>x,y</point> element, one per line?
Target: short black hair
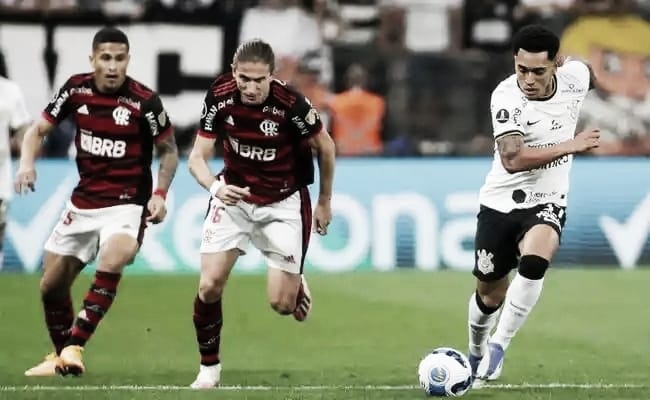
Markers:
<point>110,34</point>
<point>536,39</point>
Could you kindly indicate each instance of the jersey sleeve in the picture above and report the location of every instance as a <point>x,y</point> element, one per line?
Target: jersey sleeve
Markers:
<point>208,124</point>
<point>305,118</point>
<point>578,72</point>
<point>60,105</point>
<point>157,119</point>
<point>506,109</point>
<point>19,114</point>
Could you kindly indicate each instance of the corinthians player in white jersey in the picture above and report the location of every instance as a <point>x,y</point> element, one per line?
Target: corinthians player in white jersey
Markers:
<point>523,200</point>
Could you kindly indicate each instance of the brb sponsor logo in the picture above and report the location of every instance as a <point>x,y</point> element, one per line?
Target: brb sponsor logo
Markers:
<point>252,152</point>
<point>101,146</point>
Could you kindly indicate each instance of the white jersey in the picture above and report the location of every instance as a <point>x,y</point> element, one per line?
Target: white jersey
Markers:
<point>542,123</point>
<point>13,114</point>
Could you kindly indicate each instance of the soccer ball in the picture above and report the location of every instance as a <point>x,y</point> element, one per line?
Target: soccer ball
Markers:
<point>445,372</point>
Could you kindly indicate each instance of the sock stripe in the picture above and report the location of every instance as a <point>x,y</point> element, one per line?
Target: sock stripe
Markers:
<point>96,304</point>
<point>59,316</point>
<point>208,321</point>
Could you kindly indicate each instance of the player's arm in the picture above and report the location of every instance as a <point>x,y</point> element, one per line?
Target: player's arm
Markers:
<point>201,152</point>
<point>56,111</point>
<point>165,143</point>
<point>32,141</point>
<point>516,156</point>
<point>168,155</point>
<point>323,145</point>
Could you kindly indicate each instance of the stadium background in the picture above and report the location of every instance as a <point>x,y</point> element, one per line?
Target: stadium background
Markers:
<point>413,202</point>
<point>404,208</point>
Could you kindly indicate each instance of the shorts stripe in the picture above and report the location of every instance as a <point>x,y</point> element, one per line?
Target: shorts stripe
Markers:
<point>305,215</point>
<point>143,224</point>
<point>207,212</point>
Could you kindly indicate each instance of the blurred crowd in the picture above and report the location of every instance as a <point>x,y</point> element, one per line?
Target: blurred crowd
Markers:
<point>413,77</point>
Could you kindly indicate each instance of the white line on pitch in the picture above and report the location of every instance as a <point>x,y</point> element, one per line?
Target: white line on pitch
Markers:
<point>162,388</point>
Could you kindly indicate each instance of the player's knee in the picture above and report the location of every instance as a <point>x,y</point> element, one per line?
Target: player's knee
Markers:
<point>282,306</point>
<point>53,289</point>
<point>532,267</point>
<point>490,295</point>
<point>210,290</point>
<point>282,302</point>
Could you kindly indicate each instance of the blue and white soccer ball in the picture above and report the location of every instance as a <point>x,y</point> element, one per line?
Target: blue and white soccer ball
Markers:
<point>445,372</point>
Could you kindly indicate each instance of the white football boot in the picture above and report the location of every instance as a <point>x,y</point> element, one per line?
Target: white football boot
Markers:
<point>208,377</point>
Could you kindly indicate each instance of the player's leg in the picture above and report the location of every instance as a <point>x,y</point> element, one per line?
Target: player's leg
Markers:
<point>283,237</point>
<point>540,230</point>
<point>59,273</point>
<point>69,248</point>
<point>495,255</point>
<point>120,235</point>
<point>225,236</point>
<point>208,314</point>
<point>538,246</point>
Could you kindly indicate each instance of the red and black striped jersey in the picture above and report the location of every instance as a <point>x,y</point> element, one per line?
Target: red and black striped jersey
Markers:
<point>115,134</point>
<point>265,146</point>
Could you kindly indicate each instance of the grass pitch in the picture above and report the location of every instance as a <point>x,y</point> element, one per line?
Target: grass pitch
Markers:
<point>588,338</point>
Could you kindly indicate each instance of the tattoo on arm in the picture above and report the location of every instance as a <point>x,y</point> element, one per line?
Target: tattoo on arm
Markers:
<point>509,146</point>
<point>168,153</point>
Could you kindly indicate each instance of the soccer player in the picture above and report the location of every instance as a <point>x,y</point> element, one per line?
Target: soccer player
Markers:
<point>14,121</point>
<point>523,200</point>
<point>268,131</point>
<point>119,122</point>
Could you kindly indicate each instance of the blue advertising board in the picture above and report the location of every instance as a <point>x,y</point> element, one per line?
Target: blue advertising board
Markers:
<point>388,213</point>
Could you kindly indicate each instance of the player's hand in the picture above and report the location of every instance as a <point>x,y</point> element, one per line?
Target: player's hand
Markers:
<point>25,179</point>
<point>586,140</point>
<point>157,209</point>
<point>231,194</point>
<point>322,217</point>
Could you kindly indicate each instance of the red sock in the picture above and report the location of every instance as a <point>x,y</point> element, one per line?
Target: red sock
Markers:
<point>58,319</point>
<point>98,300</point>
<point>208,319</point>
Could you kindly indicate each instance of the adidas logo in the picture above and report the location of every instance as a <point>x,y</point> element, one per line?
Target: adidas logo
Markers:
<point>83,110</point>
<point>230,121</point>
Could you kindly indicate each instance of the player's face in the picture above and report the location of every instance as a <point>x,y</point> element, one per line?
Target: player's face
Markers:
<point>253,80</point>
<point>110,60</point>
<point>534,73</point>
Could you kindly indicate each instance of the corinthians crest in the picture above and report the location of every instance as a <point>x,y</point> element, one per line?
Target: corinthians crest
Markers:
<point>484,263</point>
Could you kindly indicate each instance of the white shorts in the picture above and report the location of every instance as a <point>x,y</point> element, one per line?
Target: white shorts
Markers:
<point>279,230</point>
<point>81,232</point>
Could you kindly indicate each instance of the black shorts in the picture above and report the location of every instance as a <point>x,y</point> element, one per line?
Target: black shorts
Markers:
<point>498,235</point>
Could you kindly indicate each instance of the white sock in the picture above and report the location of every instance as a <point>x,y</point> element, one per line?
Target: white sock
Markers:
<point>479,326</point>
<point>521,297</point>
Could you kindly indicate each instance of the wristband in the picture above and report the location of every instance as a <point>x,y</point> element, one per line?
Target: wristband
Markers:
<point>161,192</point>
<point>214,188</point>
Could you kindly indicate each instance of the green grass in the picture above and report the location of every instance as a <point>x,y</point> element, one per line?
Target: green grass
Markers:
<point>591,326</point>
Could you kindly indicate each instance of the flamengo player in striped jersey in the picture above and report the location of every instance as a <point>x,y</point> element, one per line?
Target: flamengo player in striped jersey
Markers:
<point>268,132</point>
<point>523,200</point>
<point>119,122</point>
